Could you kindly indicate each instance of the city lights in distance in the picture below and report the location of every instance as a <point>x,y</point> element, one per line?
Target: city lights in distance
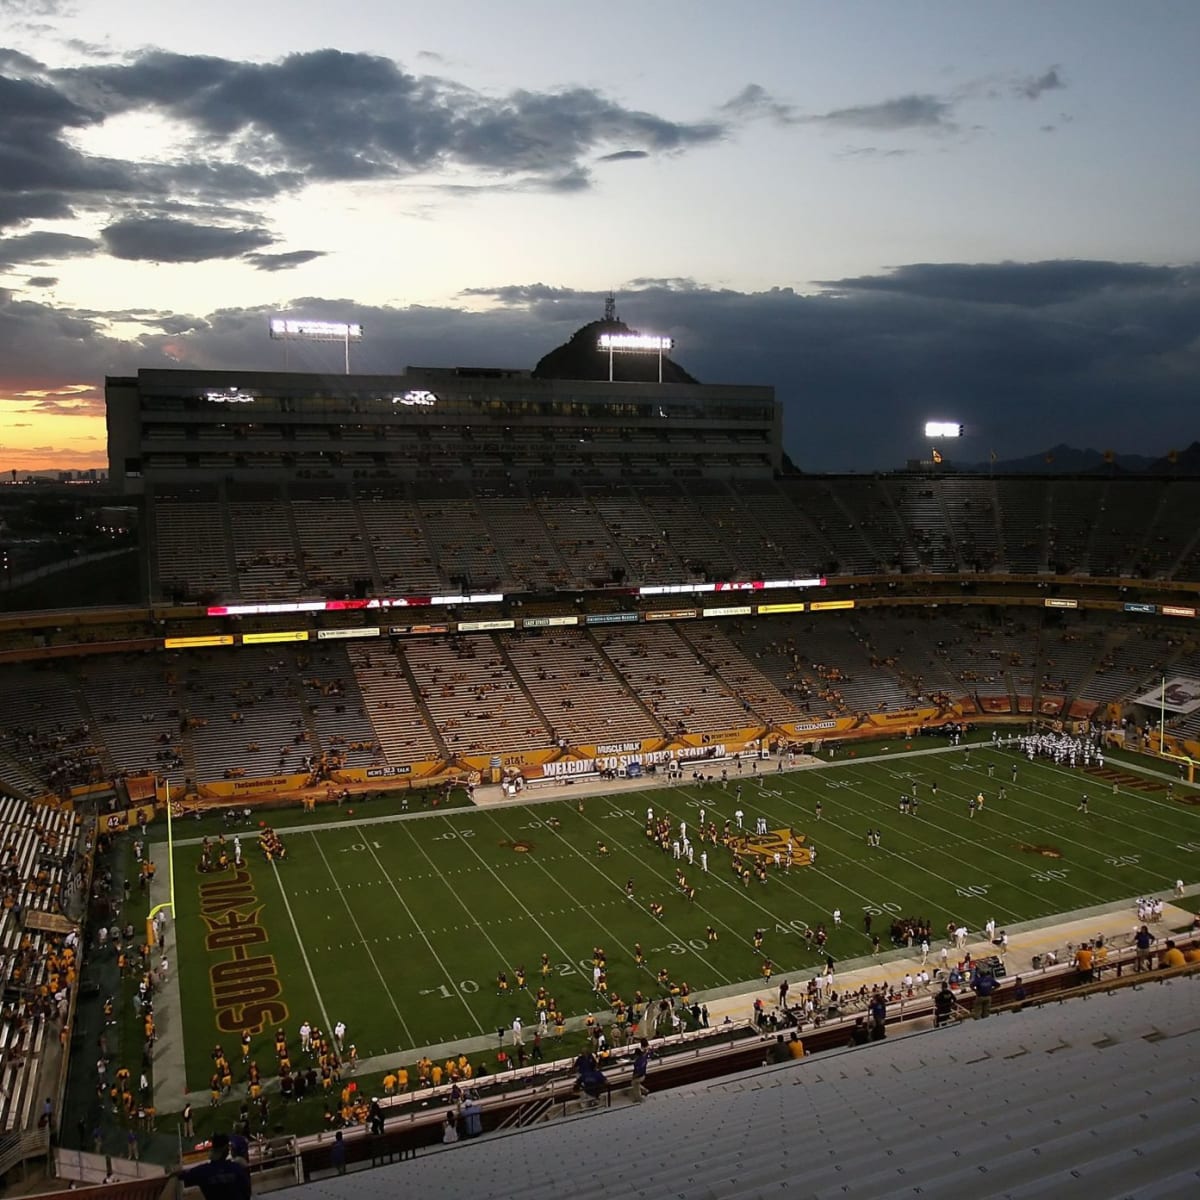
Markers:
<point>635,342</point>
<point>298,328</point>
<point>943,429</point>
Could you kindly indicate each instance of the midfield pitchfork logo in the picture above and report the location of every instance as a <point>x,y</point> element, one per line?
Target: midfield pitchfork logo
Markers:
<point>767,845</point>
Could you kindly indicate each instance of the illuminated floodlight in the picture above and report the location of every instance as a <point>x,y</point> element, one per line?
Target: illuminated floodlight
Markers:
<point>416,398</point>
<point>635,343</point>
<point>302,329</point>
<point>943,429</point>
<point>229,396</point>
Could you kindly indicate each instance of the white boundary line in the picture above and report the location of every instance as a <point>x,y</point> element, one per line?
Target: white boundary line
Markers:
<point>491,871</point>
<point>300,942</point>
<point>418,927</point>
<point>362,939</point>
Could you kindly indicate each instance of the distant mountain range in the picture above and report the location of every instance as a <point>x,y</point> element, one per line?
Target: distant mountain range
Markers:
<point>1069,460</point>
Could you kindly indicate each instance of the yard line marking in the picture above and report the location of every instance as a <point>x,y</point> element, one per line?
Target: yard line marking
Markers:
<point>558,945</point>
<point>424,937</point>
<point>683,941</point>
<point>918,818</point>
<point>1060,776</point>
<point>795,889</point>
<point>300,942</point>
<point>956,814</point>
<point>362,938</point>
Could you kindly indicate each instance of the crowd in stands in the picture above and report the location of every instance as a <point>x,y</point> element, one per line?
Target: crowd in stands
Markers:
<point>45,868</point>
<point>313,710</point>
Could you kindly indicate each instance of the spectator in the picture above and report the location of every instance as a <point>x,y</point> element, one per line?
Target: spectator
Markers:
<point>1084,960</point>
<point>985,984</point>
<point>220,1178</point>
<point>1172,956</point>
<point>641,1064</point>
<point>943,1005</point>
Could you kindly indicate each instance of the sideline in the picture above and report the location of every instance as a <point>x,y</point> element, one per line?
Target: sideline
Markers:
<point>169,1074</point>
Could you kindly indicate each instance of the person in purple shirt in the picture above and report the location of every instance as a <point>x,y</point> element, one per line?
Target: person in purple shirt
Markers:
<point>221,1178</point>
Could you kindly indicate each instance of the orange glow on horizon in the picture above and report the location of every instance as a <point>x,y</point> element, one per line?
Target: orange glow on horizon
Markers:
<point>51,426</point>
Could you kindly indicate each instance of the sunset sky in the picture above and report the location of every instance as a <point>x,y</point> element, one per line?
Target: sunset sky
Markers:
<point>980,211</point>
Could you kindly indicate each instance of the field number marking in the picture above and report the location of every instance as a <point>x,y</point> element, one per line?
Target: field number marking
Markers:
<point>469,986</point>
<point>1052,876</point>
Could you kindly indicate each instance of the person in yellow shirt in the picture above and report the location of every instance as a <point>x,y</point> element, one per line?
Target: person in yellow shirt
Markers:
<point>1084,960</point>
<point>389,1084</point>
<point>796,1046</point>
<point>435,1074</point>
<point>1172,956</point>
<point>402,1079</point>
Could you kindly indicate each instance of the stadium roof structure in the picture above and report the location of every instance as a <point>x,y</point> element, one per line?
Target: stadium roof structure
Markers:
<point>582,358</point>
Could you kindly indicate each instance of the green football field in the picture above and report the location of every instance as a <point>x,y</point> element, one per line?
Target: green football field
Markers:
<point>398,927</point>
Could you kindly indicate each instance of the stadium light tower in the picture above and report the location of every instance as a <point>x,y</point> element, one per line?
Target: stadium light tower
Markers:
<point>941,429</point>
<point>635,343</point>
<point>298,329</point>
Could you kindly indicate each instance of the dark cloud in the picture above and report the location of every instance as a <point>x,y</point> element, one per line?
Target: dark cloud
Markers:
<point>1034,86</point>
<point>623,155</point>
<point>36,8</point>
<point>1027,284</point>
<point>1026,355</point>
<point>872,152</point>
<point>754,101</point>
<point>41,173</point>
<point>252,131</point>
<point>923,112</point>
<point>333,115</point>
<point>163,239</point>
<point>27,248</point>
<point>286,261</point>
<point>41,281</point>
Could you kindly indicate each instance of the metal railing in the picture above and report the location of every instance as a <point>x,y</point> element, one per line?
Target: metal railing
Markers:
<point>22,1144</point>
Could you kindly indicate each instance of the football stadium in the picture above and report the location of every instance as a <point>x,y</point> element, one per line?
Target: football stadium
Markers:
<point>490,770</point>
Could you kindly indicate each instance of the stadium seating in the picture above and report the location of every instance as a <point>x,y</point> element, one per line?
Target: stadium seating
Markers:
<point>380,703</point>
<point>824,667</point>
<point>477,702</point>
<point>38,865</point>
<point>316,538</point>
<point>137,700</point>
<point>583,698</point>
<point>1090,1097</point>
<point>46,740</point>
<point>191,547</point>
<point>393,706</point>
<point>683,692</point>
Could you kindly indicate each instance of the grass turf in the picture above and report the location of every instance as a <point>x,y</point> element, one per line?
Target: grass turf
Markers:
<point>399,927</point>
